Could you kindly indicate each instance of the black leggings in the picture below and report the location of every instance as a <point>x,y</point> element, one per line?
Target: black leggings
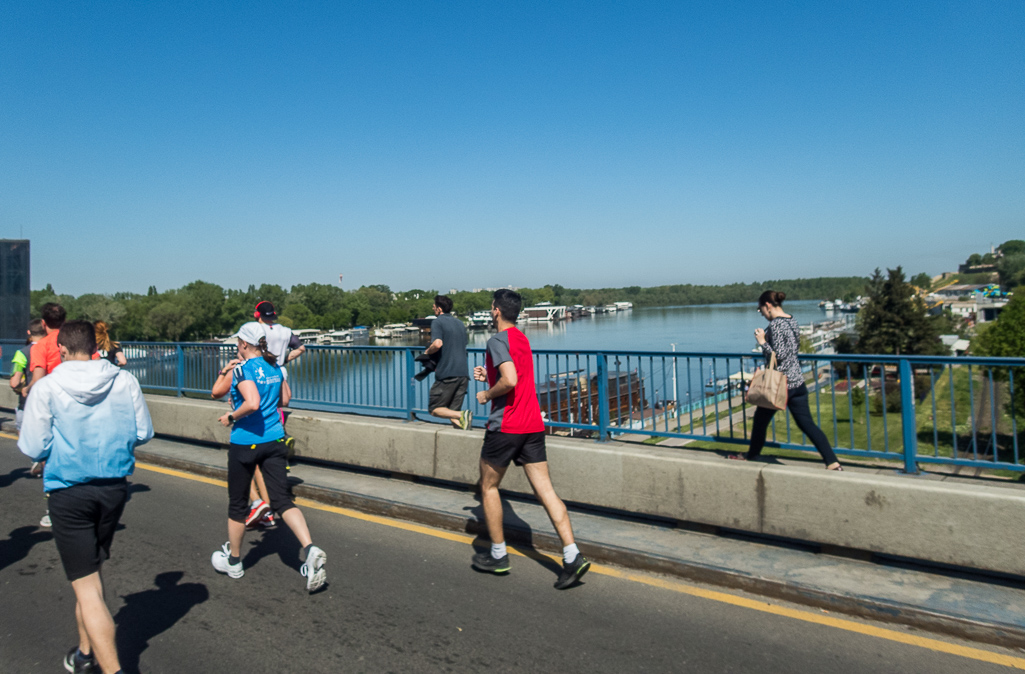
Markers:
<point>242,463</point>
<point>797,403</point>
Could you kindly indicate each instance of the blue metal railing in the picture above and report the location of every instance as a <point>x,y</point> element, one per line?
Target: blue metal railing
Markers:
<point>911,409</point>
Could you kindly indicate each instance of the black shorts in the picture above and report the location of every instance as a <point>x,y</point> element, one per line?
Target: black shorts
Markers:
<point>448,392</point>
<point>271,457</point>
<point>84,518</point>
<point>501,448</point>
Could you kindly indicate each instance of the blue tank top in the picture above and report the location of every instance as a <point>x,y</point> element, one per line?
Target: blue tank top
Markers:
<point>263,425</point>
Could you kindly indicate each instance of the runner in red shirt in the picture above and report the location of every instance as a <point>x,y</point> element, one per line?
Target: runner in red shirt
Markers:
<point>515,432</point>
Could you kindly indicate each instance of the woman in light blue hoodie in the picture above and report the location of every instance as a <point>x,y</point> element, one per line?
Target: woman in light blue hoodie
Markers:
<point>85,420</point>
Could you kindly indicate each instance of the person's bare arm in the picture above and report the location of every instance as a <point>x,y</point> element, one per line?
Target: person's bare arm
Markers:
<point>506,382</point>
<point>295,353</point>
<point>250,403</point>
<point>15,380</point>
<point>121,360</point>
<point>37,375</point>
<point>223,382</point>
<point>286,393</point>
<point>434,347</point>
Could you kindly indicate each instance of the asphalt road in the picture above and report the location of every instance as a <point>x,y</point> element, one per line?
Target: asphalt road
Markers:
<point>398,601</point>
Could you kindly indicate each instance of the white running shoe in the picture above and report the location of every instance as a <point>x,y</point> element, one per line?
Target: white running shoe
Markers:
<point>45,522</point>
<point>313,569</point>
<point>37,469</point>
<point>220,561</point>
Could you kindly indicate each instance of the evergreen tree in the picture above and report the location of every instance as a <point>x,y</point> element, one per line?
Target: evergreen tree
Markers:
<point>894,321</point>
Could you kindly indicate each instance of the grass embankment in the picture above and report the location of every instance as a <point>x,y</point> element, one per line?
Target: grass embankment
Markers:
<point>866,427</point>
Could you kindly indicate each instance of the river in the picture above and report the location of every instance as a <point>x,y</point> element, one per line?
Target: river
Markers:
<point>726,328</point>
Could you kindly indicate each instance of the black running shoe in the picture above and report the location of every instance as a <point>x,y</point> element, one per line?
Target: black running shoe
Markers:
<point>483,561</point>
<point>572,572</point>
<point>76,664</point>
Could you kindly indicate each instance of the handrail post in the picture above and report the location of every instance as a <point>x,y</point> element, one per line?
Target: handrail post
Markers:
<point>907,416</point>
<point>410,385</point>
<point>603,397</point>
<point>181,370</point>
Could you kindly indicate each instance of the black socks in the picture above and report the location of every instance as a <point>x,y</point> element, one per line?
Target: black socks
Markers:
<point>233,559</point>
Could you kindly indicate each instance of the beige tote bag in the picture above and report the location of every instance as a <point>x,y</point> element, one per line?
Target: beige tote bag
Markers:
<point>768,388</point>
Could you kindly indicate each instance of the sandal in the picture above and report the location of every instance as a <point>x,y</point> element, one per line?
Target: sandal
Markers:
<point>838,468</point>
<point>736,457</point>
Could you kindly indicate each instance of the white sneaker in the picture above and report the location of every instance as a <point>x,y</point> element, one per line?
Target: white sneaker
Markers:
<point>45,522</point>
<point>313,569</point>
<point>37,469</point>
<point>220,561</point>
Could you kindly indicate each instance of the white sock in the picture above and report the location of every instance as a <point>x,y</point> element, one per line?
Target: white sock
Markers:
<point>498,550</point>
<point>254,504</point>
<point>570,552</point>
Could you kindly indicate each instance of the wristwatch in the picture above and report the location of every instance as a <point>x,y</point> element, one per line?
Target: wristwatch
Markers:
<point>231,418</point>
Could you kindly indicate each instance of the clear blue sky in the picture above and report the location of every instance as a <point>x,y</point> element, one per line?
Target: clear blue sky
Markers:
<point>445,144</point>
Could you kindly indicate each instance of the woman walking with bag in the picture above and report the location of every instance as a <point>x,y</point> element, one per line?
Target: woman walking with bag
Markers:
<point>781,340</point>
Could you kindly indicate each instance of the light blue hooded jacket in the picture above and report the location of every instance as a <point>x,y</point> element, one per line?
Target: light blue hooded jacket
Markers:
<point>85,419</point>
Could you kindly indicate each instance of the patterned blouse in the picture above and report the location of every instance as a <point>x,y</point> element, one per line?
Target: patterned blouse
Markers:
<point>784,338</point>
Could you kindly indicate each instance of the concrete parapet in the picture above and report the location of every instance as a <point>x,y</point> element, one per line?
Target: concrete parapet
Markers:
<point>973,526</point>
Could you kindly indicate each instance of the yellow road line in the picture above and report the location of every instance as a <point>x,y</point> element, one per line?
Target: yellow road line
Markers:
<point>662,583</point>
<point>8,436</point>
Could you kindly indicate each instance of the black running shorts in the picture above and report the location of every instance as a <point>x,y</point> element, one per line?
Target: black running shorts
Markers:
<point>448,392</point>
<point>521,448</point>
<point>84,518</point>
<point>272,458</point>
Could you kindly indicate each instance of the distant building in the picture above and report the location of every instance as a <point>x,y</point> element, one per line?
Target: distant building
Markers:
<point>959,290</point>
<point>957,346</point>
<point>14,288</point>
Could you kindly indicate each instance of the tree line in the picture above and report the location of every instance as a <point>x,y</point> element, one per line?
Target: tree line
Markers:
<point>202,310</point>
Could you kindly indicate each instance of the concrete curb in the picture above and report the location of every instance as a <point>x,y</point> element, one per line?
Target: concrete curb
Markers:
<point>1000,634</point>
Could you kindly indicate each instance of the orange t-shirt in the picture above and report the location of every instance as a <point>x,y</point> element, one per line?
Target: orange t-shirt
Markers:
<point>46,354</point>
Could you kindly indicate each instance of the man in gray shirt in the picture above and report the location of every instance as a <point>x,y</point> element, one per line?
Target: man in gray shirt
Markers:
<point>451,377</point>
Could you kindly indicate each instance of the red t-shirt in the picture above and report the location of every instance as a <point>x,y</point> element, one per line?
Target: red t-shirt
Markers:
<point>518,411</point>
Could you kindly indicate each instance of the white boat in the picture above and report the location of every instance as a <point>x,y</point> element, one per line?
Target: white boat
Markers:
<point>623,306</point>
<point>479,320</point>
<point>611,308</point>
<point>307,335</point>
<point>545,312</point>
<point>390,330</point>
<point>335,337</point>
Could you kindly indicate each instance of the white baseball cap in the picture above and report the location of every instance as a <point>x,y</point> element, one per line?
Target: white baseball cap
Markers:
<point>251,333</point>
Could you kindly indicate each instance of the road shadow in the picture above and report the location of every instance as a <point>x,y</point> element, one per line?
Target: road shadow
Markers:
<point>150,613</point>
<point>137,488</point>
<point>13,476</point>
<point>279,541</point>
<point>19,543</point>
<point>517,532</point>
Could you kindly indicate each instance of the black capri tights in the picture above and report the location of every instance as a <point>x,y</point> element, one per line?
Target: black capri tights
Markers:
<point>797,403</point>
<point>242,463</point>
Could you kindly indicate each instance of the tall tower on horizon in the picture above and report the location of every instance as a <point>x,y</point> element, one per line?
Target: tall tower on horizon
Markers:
<point>14,288</point>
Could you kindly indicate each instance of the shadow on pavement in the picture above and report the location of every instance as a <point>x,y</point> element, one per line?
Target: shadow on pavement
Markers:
<point>149,613</point>
<point>279,541</point>
<point>517,532</point>
<point>20,542</point>
<point>11,477</point>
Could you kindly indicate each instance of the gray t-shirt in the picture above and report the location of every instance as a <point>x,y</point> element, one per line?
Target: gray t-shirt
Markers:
<point>451,331</point>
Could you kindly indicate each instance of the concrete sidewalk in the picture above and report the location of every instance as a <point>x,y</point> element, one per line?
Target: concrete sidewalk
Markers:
<point>963,605</point>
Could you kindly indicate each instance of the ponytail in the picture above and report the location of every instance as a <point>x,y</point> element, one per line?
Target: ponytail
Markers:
<point>267,355</point>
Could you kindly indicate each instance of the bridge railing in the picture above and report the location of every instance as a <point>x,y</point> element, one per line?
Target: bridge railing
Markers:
<point>913,409</point>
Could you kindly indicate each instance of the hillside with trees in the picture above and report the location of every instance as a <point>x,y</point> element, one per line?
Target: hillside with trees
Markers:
<point>202,310</point>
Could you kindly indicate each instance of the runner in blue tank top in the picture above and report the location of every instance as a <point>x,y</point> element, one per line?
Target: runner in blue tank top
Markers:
<point>258,439</point>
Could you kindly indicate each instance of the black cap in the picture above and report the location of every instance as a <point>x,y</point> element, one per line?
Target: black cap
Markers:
<point>266,309</point>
